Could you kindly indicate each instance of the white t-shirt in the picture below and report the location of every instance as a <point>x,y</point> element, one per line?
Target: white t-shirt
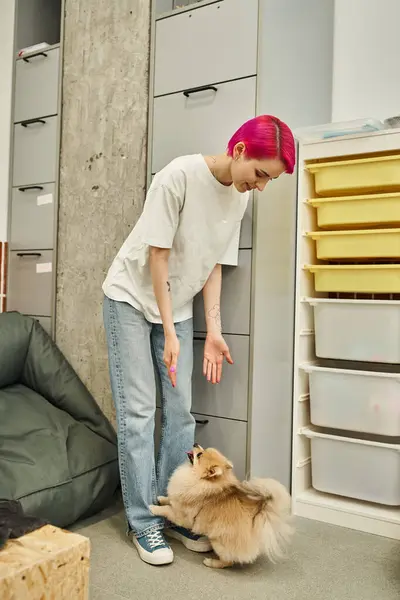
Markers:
<point>190,212</point>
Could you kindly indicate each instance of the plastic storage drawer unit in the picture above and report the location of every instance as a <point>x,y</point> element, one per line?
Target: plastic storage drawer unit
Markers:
<point>359,176</point>
<point>357,211</point>
<point>362,279</point>
<point>356,468</point>
<point>363,401</point>
<point>357,330</point>
<point>358,244</point>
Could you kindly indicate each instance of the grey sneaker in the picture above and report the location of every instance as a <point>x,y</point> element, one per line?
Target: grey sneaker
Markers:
<point>153,549</point>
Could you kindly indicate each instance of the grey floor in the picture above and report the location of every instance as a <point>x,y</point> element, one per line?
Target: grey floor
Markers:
<point>325,563</point>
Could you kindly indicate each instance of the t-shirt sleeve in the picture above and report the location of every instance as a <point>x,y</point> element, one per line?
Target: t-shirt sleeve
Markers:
<point>231,254</point>
<point>161,215</point>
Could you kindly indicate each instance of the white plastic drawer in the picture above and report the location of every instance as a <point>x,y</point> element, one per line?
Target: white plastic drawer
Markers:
<point>358,330</point>
<point>366,401</point>
<point>32,217</point>
<point>30,282</point>
<point>355,468</point>
<point>35,152</point>
<point>229,398</point>
<point>206,45</point>
<point>235,298</point>
<point>36,85</point>
<point>201,122</point>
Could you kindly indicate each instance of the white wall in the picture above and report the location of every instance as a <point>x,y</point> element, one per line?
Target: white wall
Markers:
<point>7,10</point>
<point>366,74</point>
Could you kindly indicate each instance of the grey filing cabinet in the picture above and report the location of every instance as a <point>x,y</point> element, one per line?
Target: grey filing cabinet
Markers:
<point>34,175</point>
<point>214,65</point>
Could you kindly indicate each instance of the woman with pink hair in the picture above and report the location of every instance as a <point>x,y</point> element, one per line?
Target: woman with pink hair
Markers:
<point>191,217</point>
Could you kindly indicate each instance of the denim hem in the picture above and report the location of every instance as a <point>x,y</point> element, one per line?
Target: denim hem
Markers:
<point>150,529</point>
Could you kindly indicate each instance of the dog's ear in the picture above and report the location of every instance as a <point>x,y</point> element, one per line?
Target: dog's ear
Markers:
<point>214,472</point>
<point>229,465</point>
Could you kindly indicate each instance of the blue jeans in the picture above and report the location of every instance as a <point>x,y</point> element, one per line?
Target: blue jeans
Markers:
<point>135,352</point>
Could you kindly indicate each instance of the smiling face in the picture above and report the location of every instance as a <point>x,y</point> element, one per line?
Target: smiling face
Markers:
<point>251,174</point>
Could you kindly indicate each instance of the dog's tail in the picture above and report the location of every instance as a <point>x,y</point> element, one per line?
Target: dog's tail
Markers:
<point>273,510</point>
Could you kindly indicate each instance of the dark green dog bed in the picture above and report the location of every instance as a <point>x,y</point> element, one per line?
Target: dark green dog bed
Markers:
<point>58,452</point>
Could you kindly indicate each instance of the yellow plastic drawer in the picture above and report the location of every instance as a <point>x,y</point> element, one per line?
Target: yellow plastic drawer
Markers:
<point>358,244</point>
<point>363,279</point>
<point>360,176</point>
<point>353,211</point>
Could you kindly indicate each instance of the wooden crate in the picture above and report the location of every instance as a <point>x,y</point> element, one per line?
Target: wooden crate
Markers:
<point>47,564</point>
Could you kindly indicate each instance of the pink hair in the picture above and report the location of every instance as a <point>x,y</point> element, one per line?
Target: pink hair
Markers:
<point>266,137</point>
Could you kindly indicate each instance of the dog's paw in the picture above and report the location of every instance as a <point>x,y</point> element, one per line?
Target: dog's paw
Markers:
<point>215,563</point>
<point>208,562</point>
<point>162,500</point>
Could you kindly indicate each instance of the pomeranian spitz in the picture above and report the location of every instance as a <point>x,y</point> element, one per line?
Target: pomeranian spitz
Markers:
<point>242,520</point>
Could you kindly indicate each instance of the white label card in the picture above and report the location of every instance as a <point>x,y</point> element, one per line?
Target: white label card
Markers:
<point>45,199</point>
<point>43,268</point>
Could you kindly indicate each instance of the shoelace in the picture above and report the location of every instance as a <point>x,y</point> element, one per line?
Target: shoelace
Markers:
<point>155,539</point>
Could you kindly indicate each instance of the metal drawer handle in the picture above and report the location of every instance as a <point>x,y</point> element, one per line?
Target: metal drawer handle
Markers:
<point>32,122</point>
<point>27,58</point>
<point>198,338</point>
<point>202,88</point>
<point>38,254</point>
<point>30,187</point>
<point>205,422</point>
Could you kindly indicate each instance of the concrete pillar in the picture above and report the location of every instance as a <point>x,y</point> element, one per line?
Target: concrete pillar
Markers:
<point>103,166</point>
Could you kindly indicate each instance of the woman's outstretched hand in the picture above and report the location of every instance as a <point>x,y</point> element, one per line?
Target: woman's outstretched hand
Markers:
<point>215,351</point>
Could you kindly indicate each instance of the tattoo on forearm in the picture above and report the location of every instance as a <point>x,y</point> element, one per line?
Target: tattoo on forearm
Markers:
<point>168,286</point>
<point>215,313</point>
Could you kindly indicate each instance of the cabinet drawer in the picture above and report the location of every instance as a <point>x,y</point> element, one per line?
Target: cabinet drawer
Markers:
<point>32,217</point>
<point>30,283</point>
<point>229,398</point>
<point>246,231</point>
<point>45,323</point>
<point>235,298</point>
<point>205,45</point>
<point>163,6</point>
<point>36,85</point>
<point>229,437</point>
<point>202,122</point>
<point>35,152</point>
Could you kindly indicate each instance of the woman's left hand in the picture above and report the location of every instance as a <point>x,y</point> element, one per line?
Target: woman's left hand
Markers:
<point>215,350</point>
